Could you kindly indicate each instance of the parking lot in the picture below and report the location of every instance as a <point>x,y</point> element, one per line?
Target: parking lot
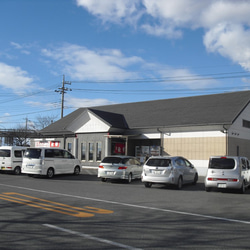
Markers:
<point>81,212</point>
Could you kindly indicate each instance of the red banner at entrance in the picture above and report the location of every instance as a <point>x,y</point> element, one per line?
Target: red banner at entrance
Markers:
<point>120,148</point>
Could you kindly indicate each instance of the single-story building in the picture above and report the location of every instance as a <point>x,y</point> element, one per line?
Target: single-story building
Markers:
<point>194,127</point>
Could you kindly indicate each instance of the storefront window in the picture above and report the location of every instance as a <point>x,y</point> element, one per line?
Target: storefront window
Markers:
<point>69,147</point>
<point>83,151</point>
<point>91,151</point>
<point>98,151</point>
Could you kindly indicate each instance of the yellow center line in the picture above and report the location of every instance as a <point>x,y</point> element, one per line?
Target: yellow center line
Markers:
<point>53,206</point>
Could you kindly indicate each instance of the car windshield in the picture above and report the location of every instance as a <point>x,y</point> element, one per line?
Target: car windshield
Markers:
<point>222,163</point>
<point>4,153</point>
<point>159,162</point>
<point>32,153</point>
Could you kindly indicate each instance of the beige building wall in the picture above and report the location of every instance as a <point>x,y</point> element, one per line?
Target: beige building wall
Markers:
<point>197,148</point>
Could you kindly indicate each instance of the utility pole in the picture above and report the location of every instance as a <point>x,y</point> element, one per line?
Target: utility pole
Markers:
<point>62,91</point>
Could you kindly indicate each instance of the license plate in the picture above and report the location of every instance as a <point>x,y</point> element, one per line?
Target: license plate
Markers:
<point>222,185</point>
<point>30,166</point>
<point>110,173</point>
<point>155,171</point>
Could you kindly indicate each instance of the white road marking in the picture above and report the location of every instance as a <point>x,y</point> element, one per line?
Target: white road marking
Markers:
<point>90,237</point>
<point>135,206</point>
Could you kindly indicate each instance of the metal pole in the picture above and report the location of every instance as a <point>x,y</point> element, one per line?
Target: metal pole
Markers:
<point>62,104</point>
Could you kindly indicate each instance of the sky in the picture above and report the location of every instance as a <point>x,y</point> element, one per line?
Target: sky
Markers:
<point>117,51</point>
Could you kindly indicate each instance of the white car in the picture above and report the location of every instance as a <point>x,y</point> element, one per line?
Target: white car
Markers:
<point>168,170</point>
<point>49,162</point>
<point>119,167</point>
<point>231,172</point>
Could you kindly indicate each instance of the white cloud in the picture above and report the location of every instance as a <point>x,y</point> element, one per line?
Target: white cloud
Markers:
<point>81,63</point>
<point>14,78</point>
<point>111,65</point>
<point>117,11</point>
<point>22,48</point>
<point>231,41</point>
<point>77,102</point>
<point>226,23</point>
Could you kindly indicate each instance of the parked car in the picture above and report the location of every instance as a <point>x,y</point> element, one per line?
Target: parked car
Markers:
<point>231,172</point>
<point>11,158</point>
<point>49,162</point>
<point>168,170</point>
<point>119,167</point>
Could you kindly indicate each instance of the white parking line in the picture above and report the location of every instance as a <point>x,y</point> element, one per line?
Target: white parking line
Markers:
<point>136,206</point>
<point>87,236</point>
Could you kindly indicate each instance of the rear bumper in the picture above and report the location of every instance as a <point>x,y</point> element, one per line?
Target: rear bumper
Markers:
<point>223,184</point>
<point>159,179</point>
<point>112,174</point>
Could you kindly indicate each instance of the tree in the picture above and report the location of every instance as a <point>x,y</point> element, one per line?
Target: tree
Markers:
<point>44,121</point>
<point>19,136</point>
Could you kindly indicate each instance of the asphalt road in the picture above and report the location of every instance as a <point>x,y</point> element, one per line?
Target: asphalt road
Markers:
<point>81,212</point>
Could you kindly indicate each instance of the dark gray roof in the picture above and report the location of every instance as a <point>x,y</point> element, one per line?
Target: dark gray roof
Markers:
<point>187,111</point>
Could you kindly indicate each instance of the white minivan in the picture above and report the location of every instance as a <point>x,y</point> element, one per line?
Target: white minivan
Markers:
<point>49,162</point>
<point>228,172</point>
<point>11,158</point>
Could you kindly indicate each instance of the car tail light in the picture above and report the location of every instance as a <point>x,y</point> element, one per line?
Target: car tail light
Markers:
<point>101,166</point>
<point>122,167</point>
<point>222,179</point>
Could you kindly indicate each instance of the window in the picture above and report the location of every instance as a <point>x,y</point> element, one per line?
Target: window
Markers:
<point>68,155</point>
<point>18,153</point>
<point>5,153</point>
<point>69,147</point>
<point>98,151</point>
<point>33,153</point>
<point>83,151</point>
<point>91,151</point>
<point>246,123</point>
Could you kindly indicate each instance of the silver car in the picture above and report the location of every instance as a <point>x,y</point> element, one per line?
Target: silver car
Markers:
<point>168,170</point>
<point>119,167</point>
<point>230,172</point>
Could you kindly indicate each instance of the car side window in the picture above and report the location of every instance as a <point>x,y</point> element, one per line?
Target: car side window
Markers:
<point>180,162</point>
<point>18,153</point>
<point>243,163</point>
<point>68,155</point>
<point>188,164</point>
<point>137,162</point>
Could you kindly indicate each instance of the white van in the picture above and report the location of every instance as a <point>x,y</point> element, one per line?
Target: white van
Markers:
<point>49,162</point>
<point>11,158</point>
<point>230,172</point>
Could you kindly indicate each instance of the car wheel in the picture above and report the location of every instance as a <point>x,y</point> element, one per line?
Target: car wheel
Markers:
<point>17,170</point>
<point>148,184</point>
<point>195,179</point>
<point>243,188</point>
<point>103,179</point>
<point>77,170</point>
<point>179,183</point>
<point>50,173</point>
<point>207,189</point>
<point>30,175</point>
<point>129,178</point>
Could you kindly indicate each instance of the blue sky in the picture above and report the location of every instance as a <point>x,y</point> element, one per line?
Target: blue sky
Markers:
<point>117,51</point>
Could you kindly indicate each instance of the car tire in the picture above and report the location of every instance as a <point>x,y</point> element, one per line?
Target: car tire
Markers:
<point>195,179</point>
<point>77,170</point>
<point>207,189</point>
<point>103,179</point>
<point>243,188</point>
<point>50,173</point>
<point>17,170</point>
<point>179,183</point>
<point>148,184</point>
<point>129,180</point>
